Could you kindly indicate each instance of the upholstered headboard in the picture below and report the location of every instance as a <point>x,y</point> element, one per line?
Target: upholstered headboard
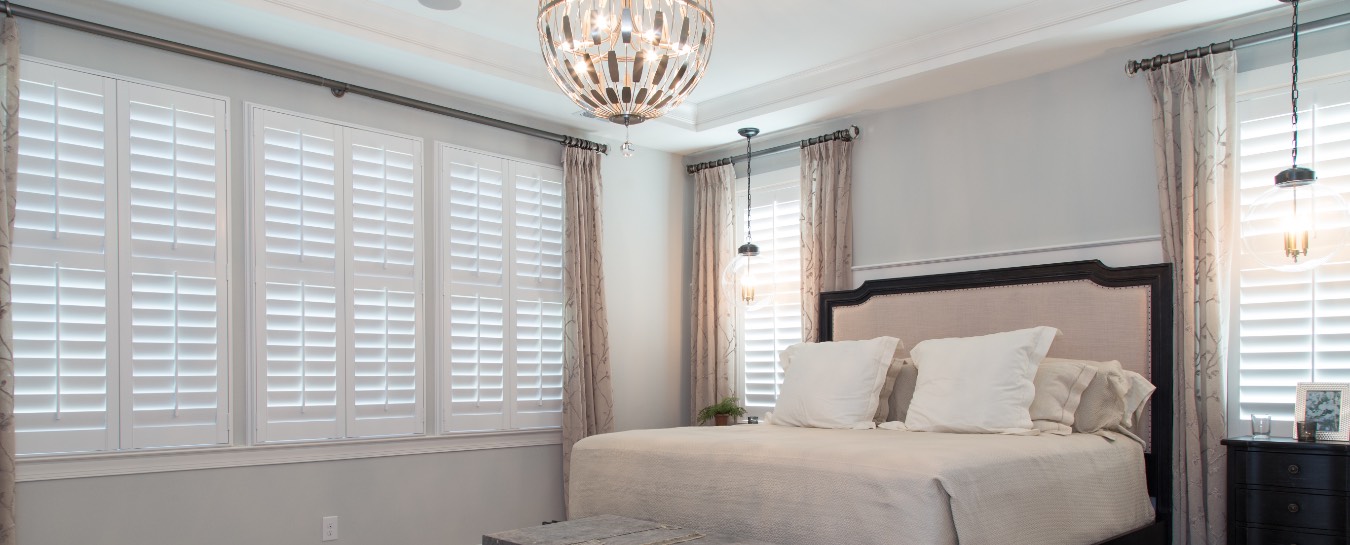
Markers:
<point>1104,313</point>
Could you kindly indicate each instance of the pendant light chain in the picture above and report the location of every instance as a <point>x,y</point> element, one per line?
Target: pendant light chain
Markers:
<point>1293,91</point>
<point>748,172</point>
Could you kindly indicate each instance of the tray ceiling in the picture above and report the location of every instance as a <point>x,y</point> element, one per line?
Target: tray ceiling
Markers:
<point>776,64</point>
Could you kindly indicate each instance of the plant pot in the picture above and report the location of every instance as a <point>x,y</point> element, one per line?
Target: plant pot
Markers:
<point>722,420</point>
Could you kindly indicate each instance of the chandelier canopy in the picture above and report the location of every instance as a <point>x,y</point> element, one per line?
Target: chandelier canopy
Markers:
<point>626,60</point>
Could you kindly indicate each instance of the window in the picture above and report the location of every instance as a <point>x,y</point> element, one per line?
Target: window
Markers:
<point>337,280</point>
<point>119,266</point>
<point>775,226</point>
<point>500,230</point>
<point>1293,327</point>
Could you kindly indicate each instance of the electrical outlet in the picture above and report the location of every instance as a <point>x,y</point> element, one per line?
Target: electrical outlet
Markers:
<point>330,529</point>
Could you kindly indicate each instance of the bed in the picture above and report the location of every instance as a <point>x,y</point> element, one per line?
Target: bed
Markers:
<point>804,485</point>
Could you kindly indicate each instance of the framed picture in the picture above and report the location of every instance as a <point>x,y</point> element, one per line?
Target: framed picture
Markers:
<point>1325,404</point>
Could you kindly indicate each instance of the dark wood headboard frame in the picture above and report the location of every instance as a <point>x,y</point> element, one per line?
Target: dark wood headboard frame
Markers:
<point>1158,462</point>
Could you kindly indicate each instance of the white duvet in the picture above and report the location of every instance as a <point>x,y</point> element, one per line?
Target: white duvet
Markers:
<point>804,486</point>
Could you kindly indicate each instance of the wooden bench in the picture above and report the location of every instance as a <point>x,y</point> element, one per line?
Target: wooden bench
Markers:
<point>609,530</point>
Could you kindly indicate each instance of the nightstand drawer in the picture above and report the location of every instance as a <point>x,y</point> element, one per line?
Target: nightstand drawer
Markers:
<point>1292,510</point>
<point>1294,470</point>
<point>1281,537</point>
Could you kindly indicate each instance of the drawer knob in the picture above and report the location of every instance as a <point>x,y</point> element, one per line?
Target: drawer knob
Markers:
<point>1293,508</point>
<point>1294,469</point>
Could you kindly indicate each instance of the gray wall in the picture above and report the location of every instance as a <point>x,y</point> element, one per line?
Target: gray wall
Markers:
<point>450,498</point>
<point>1056,159</point>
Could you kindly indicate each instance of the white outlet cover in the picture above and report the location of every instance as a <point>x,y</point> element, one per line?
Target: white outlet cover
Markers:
<point>330,529</point>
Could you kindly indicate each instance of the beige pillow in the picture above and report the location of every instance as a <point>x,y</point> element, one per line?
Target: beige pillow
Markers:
<point>904,390</point>
<point>1059,392</point>
<point>884,403</point>
<point>1136,398</point>
<point>1102,406</point>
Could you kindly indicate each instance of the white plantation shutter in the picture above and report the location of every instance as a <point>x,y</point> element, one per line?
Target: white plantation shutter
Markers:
<point>472,189</point>
<point>384,392</point>
<point>339,273</point>
<point>1294,327</point>
<point>537,250</point>
<point>501,228</point>
<point>174,347</point>
<point>298,250</point>
<point>64,276</point>
<point>775,220</point>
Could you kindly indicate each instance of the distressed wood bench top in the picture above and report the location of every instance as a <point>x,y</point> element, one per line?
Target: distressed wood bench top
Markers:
<point>609,530</point>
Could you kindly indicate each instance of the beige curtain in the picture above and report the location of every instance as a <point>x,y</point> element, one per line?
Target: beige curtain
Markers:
<point>1194,143</point>
<point>827,226</point>
<point>588,403</point>
<point>714,319</point>
<point>9,160</point>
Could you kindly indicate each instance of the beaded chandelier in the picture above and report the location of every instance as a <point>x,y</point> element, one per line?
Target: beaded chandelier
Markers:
<point>626,60</point>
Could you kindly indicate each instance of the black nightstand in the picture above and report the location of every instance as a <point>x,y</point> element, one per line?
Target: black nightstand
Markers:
<point>1282,492</point>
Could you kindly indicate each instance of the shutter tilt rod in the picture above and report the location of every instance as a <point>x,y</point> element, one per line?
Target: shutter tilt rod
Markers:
<point>338,88</point>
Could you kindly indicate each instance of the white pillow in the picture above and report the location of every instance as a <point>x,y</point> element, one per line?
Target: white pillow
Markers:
<point>833,384</point>
<point>978,384</point>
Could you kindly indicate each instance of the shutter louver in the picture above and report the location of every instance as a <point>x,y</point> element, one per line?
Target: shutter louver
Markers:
<point>775,227</point>
<point>473,197</point>
<point>64,280</point>
<point>385,397</point>
<point>175,365</point>
<point>299,314</point>
<point>537,246</point>
<point>1294,326</point>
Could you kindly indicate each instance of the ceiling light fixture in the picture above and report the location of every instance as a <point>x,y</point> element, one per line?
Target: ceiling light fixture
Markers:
<point>442,5</point>
<point>1296,210</point>
<point>626,60</point>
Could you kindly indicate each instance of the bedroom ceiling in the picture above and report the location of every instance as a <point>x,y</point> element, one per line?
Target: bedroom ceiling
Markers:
<point>777,64</point>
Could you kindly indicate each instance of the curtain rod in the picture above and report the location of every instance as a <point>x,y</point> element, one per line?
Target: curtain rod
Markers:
<point>847,135</point>
<point>338,88</point>
<point>1133,67</point>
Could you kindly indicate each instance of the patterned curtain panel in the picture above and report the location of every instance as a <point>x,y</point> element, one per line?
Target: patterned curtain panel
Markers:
<point>588,402</point>
<point>714,319</point>
<point>827,226</point>
<point>1194,129</point>
<point>9,160</point>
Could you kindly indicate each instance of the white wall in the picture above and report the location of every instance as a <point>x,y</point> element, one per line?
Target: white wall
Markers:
<point>451,498</point>
<point>1058,166</point>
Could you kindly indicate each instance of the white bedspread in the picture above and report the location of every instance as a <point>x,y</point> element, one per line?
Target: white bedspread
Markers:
<point>807,486</point>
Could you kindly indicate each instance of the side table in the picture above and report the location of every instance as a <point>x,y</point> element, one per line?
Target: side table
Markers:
<point>1283,492</point>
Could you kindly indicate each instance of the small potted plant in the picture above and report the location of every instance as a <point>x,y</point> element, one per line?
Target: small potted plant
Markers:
<point>722,413</point>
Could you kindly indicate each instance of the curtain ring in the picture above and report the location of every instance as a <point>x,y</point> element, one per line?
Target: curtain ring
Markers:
<point>9,11</point>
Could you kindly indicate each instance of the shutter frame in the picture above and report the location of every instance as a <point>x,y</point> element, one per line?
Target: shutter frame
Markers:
<point>74,251</point>
<point>192,211</point>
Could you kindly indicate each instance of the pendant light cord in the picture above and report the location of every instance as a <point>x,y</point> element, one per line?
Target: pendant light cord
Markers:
<point>1293,91</point>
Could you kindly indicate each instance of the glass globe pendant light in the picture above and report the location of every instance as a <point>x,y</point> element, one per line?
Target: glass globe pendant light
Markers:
<point>739,277</point>
<point>1296,225</point>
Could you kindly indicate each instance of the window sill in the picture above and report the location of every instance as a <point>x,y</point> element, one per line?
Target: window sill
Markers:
<point>45,468</point>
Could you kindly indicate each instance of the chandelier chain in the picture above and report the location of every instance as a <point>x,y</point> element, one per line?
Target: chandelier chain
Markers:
<point>1293,91</point>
